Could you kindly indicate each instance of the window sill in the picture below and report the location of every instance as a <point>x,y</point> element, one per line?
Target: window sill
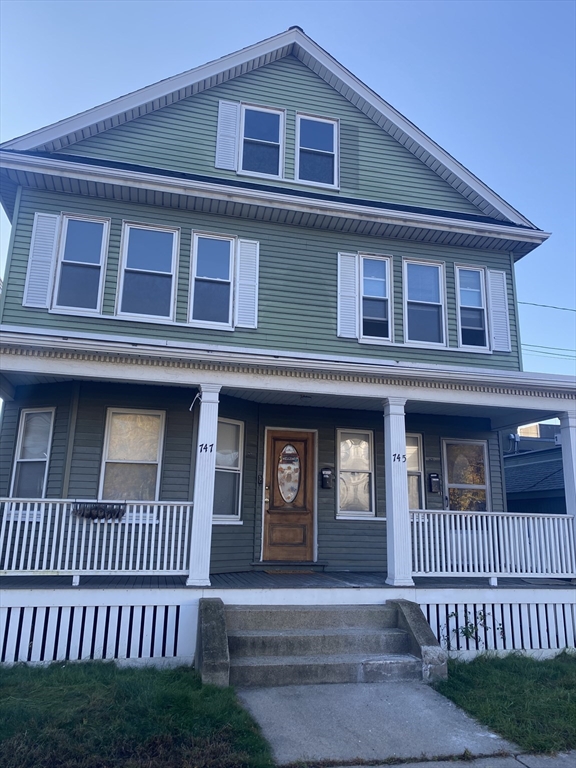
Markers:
<point>225,521</point>
<point>358,517</point>
<point>210,326</point>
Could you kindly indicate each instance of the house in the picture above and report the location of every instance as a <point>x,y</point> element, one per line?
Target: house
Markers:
<point>259,339</point>
<point>535,481</point>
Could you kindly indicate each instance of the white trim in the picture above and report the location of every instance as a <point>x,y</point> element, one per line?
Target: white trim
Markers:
<point>336,153</point>
<point>387,259</point>
<point>442,292</point>
<point>229,519</point>
<point>447,485</point>
<point>262,50</point>
<point>21,421</point>
<point>122,268</point>
<point>484,307</point>
<point>233,240</point>
<point>351,514</point>
<point>147,412</point>
<point>65,218</point>
<point>281,141</point>
<point>314,433</point>
<point>99,174</point>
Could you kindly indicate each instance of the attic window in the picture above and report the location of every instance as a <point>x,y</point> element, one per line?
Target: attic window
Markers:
<point>262,133</point>
<point>317,157</point>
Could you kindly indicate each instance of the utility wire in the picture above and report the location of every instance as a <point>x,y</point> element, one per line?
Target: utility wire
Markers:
<point>548,306</point>
<point>544,346</point>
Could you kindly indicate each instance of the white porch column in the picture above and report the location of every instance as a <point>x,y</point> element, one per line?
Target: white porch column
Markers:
<point>201,538</point>
<point>398,534</point>
<point>568,432</point>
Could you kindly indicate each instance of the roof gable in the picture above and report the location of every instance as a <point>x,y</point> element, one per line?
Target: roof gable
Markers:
<point>291,43</point>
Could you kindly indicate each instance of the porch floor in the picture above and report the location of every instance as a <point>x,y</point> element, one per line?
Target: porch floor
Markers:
<point>264,580</point>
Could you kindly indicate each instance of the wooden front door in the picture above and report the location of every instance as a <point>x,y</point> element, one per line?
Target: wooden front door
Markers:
<point>289,496</point>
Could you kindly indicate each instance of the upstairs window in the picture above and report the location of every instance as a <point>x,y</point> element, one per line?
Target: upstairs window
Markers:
<point>261,147</point>
<point>33,453</point>
<point>316,160</point>
<point>375,306</point>
<point>149,266</point>
<point>472,307</point>
<point>424,319</point>
<point>81,264</point>
<point>213,265</point>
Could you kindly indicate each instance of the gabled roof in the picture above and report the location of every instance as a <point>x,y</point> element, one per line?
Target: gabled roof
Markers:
<point>293,42</point>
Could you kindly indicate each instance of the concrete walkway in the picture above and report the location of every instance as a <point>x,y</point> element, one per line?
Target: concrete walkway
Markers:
<point>343,724</point>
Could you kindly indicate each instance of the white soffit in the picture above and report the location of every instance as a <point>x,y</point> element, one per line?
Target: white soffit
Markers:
<point>292,42</point>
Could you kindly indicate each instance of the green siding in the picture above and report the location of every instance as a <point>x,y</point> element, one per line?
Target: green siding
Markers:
<point>297,286</point>
<point>182,137</point>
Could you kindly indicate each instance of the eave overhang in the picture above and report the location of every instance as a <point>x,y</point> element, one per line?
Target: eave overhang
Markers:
<point>295,43</point>
<point>92,180</point>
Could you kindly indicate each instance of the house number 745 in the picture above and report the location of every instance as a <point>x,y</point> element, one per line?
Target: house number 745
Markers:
<point>398,457</point>
<point>206,447</point>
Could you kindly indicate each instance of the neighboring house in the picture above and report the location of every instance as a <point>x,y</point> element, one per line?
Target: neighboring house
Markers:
<point>535,481</point>
<point>254,319</point>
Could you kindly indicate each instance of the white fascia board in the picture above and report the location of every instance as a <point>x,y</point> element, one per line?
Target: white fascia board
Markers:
<point>187,79</point>
<point>104,175</point>
<point>27,338</point>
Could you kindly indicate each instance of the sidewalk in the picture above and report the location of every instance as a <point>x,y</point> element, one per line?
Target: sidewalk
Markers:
<point>342,726</point>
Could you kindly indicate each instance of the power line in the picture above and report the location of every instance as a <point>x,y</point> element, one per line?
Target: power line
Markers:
<point>548,306</point>
<point>544,346</point>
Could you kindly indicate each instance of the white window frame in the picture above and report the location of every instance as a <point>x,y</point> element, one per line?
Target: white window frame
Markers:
<point>347,515</point>
<point>233,519</point>
<point>281,139</point>
<point>442,290</point>
<point>484,307</point>
<point>175,231</point>
<point>420,473</point>
<point>336,130</point>
<point>389,286</point>
<point>229,326</point>
<point>22,419</point>
<point>146,412</point>
<point>447,485</point>
<point>67,310</point>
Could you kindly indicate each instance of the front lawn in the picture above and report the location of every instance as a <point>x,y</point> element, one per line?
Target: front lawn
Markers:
<point>96,715</point>
<point>532,703</point>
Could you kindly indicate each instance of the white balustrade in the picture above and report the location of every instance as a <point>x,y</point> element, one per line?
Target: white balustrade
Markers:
<point>47,537</point>
<point>447,543</point>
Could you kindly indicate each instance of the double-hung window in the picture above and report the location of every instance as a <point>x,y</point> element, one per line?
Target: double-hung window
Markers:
<point>149,268</point>
<point>261,148</point>
<point>414,467</point>
<point>33,453</point>
<point>213,271</point>
<point>81,264</point>
<point>471,307</point>
<point>227,484</point>
<point>132,455</point>
<point>375,299</point>
<point>424,287</point>
<point>317,155</point>
<point>355,473</point>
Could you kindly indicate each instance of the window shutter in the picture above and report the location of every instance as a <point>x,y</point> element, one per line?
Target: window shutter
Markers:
<point>247,284</point>
<point>500,321</point>
<point>41,260</point>
<point>227,135</point>
<point>348,295</point>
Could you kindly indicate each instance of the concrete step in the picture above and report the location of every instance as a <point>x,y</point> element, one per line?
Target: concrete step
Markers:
<point>313,642</point>
<point>267,671</point>
<point>281,617</point>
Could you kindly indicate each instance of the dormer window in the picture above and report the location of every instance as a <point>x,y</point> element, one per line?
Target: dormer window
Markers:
<point>317,142</point>
<point>262,139</point>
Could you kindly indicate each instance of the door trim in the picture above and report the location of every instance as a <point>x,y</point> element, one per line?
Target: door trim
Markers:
<point>314,433</point>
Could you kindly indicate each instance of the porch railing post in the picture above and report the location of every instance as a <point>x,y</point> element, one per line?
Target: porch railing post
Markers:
<point>568,432</point>
<point>201,539</point>
<point>398,532</point>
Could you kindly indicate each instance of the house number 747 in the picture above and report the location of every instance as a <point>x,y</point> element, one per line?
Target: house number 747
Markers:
<point>398,457</point>
<point>206,447</point>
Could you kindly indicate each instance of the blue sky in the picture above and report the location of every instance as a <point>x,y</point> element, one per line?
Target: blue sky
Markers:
<point>493,82</point>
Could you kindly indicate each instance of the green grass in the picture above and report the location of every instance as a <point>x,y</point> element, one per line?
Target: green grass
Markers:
<point>532,703</point>
<point>96,715</point>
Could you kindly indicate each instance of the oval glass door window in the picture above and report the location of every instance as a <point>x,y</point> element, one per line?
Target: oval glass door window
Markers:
<point>289,473</point>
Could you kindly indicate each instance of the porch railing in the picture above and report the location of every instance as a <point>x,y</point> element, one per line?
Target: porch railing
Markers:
<point>492,544</point>
<point>47,537</point>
